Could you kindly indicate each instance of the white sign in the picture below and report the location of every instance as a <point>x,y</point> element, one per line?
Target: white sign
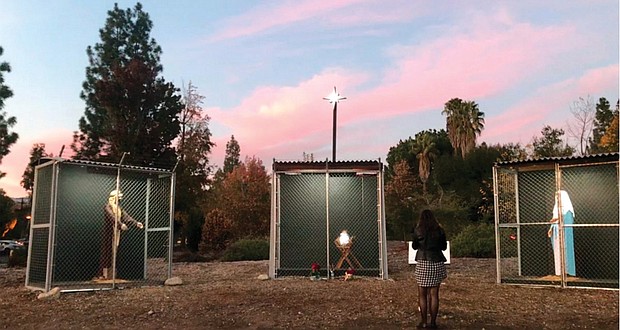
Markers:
<point>412,253</point>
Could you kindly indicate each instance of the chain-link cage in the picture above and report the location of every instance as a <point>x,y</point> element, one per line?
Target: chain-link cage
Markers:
<point>99,226</point>
<point>557,222</point>
<point>332,217</point>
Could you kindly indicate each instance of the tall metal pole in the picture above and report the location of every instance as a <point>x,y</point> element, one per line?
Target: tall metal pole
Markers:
<point>334,98</point>
<point>334,132</point>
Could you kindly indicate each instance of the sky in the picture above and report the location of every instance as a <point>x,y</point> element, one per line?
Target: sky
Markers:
<point>264,68</point>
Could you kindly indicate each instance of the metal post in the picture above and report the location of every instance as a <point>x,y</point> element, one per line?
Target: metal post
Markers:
<point>117,219</point>
<point>273,224</point>
<point>334,98</point>
<point>328,239</point>
<point>498,278</point>
<point>171,220</point>
<point>334,132</point>
<point>558,198</point>
<point>146,227</point>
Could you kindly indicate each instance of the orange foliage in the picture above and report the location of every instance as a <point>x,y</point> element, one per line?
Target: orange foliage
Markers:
<point>244,198</point>
<point>9,226</point>
<point>216,232</point>
<point>610,140</point>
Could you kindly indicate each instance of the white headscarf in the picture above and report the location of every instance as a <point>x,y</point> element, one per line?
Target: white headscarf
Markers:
<point>567,205</point>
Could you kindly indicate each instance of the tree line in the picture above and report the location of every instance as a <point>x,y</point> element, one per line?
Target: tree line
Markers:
<point>130,109</point>
<point>448,171</point>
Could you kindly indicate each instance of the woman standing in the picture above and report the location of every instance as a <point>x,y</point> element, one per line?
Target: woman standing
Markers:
<point>429,239</point>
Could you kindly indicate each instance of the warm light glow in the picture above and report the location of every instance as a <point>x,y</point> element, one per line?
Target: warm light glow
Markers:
<point>9,226</point>
<point>344,238</point>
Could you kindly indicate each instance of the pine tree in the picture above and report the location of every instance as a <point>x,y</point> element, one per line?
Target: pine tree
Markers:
<point>7,138</point>
<point>233,152</point>
<point>36,153</point>
<point>129,106</point>
<point>602,120</point>
<point>551,144</point>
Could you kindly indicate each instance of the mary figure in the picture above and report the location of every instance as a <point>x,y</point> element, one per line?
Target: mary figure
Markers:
<point>563,209</point>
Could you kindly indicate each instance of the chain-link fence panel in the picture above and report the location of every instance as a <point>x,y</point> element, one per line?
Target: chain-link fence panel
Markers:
<point>563,228</point>
<point>302,224</point>
<point>40,228</point>
<point>110,226</point>
<point>591,231</point>
<point>353,208</point>
<point>506,199</point>
<point>313,209</point>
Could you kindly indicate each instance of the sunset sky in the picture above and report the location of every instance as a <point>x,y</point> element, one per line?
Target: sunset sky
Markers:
<point>265,66</point>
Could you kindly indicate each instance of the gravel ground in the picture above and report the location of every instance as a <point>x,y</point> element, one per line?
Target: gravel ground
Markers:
<point>218,295</point>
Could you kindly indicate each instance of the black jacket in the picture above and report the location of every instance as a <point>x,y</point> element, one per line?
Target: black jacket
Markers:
<point>429,246</point>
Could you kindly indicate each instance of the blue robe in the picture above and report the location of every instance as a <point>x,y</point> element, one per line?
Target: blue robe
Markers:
<point>569,245</point>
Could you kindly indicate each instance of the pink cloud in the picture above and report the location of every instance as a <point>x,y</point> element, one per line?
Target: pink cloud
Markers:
<point>550,106</point>
<point>337,12</point>
<point>271,113</point>
<point>482,62</point>
<point>16,162</point>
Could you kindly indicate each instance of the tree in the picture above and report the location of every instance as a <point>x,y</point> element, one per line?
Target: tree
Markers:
<point>36,153</point>
<point>233,151</point>
<point>402,151</point>
<point>405,150</point>
<point>399,201</point>
<point>583,118</point>
<point>478,194</point>
<point>609,141</point>
<point>464,122</point>
<point>217,232</point>
<point>195,144</point>
<point>7,137</point>
<point>603,120</point>
<point>193,170</point>
<point>244,198</point>
<point>551,144</point>
<point>425,151</point>
<point>231,160</point>
<point>512,152</point>
<point>129,106</point>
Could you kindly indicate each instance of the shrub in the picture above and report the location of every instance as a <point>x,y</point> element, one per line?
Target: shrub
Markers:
<point>216,232</point>
<point>247,249</point>
<point>452,221</point>
<point>476,241</point>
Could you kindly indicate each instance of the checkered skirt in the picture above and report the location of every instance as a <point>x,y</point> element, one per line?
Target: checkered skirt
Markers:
<point>430,273</point>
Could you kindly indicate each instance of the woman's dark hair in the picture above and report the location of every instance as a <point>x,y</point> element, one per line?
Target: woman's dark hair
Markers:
<point>427,223</point>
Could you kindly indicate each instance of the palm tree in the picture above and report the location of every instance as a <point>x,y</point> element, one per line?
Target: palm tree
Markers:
<point>452,111</point>
<point>474,127</point>
<point>425,151</point>
<point>464,122</point>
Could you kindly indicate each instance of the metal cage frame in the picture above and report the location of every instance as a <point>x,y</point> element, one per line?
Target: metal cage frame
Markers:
<point>156,199</point>
<point>522,204</point>
<point>323,173</point>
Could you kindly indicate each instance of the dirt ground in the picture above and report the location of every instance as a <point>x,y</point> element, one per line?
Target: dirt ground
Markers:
<point>219,295</point>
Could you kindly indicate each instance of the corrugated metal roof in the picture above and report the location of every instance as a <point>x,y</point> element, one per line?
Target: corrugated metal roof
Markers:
<point>364,165</point>
<point>102,164</point>
<point>564,160</point>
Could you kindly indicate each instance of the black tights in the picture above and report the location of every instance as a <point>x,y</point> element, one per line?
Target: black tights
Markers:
<point>428,296</point>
